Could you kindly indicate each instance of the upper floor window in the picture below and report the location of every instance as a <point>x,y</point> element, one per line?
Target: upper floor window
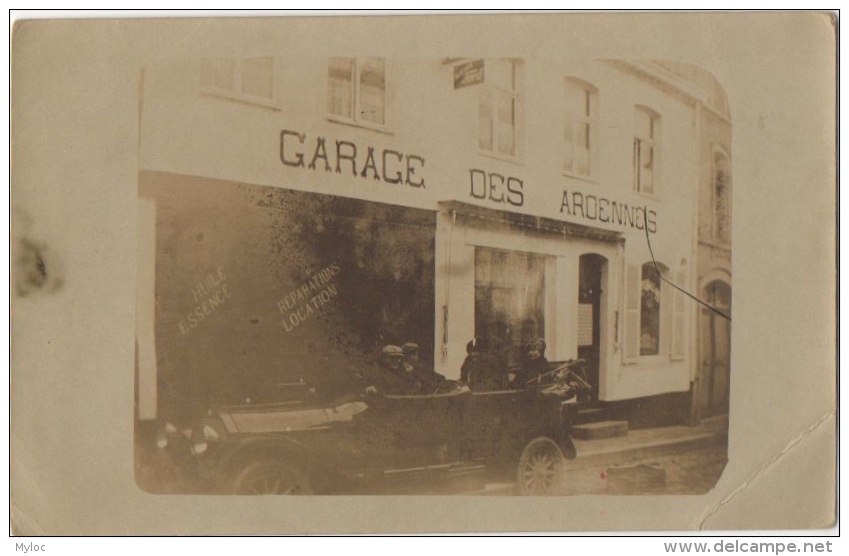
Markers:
<point>580,128</point>
<point>646,151</point>
<point>246,79</point>
<point>356,89</point>
<point>499,108</point>
<point>721,179</point>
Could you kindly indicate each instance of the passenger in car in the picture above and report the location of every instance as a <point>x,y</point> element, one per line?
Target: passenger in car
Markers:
<point>483,370</point>
<point>534,363</point>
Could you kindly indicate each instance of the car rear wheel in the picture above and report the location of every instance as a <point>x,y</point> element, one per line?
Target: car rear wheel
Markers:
<point>271,477</point>
<point>540,467</point>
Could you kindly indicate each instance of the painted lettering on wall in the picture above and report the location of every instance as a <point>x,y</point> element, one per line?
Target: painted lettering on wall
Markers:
<point>601,209</point>
<point>304,301</point>
<point>496,187</point>
<point>346,158</point>
<point>209,294</point>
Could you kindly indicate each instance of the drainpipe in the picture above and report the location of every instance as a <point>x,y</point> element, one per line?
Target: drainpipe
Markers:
<point>694,279</point>
<point>447,286</point>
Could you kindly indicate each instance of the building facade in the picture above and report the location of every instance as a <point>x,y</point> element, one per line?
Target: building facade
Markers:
<point>298,214</point>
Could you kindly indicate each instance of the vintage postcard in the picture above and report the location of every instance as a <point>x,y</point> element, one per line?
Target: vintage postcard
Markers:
<point>393,263</point>
<point>372,273</point>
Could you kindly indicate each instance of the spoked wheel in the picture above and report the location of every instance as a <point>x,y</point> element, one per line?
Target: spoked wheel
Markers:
<point>540,467</point>
<point>271,477</point>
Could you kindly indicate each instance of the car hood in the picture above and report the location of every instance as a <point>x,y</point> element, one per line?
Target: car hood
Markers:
<point>286,417</point>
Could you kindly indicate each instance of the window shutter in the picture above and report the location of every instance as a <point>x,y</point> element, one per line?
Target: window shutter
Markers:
<point>667,295</point>
<point>636,164</point>
<point>631,337</point>
<point>679,321</point>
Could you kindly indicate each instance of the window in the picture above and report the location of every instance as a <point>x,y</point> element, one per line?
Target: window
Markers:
<point>721,180</point>
<point>247,79</point>
<point>655,314</point>
<point>499,107</point>
<point>356,90</point>
<point>646,151</point>
<point>509,299</point>
<point>580,128</point>
<point>650,310</point>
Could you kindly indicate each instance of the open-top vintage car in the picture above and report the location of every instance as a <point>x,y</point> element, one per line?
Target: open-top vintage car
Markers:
<point>451,440</point>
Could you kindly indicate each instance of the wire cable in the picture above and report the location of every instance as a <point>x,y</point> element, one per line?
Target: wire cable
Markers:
<point>685,292</point>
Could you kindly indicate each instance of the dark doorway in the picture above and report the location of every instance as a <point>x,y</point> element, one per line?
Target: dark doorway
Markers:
<point>590,280</point>
<point>715,350</point>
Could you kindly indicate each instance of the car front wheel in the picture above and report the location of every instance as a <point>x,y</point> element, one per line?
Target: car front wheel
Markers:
<point>540,467</point>
<point>271,477</point>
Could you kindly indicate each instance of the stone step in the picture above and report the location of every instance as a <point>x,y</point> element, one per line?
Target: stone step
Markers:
<point>589,415</point>
<point>644,444</point>
<point>600,429</point>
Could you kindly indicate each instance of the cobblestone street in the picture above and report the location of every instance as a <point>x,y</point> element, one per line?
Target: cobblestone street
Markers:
<point>693,472</point>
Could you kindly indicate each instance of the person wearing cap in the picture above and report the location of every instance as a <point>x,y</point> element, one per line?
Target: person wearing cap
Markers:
<point>428,378</point>
<point>391,378</point>
<point>411,356</point>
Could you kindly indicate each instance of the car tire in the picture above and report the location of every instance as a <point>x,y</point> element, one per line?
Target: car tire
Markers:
<point>540,467</point>
<point>269,476</point>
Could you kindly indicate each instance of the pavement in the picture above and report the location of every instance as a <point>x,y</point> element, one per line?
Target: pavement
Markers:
<point>663,460</point>
<point>654,443</point>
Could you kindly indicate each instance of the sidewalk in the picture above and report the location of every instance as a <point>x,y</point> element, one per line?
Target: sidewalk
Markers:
<point>650,443</point>
<point>662,446</point>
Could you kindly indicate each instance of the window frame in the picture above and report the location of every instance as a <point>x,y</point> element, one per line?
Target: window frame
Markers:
<point>237,93</point>
<point>715,234</point>
<point>516,95</point>
<point>590,120</point>
<point>356,96</point>
<point>666,302</point>
<point>655,142</point>
<point>486,277</point>
<point>660,307</point>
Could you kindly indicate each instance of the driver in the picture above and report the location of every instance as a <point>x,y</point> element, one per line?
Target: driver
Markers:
<point>391,377</point>
<point>429,379</point>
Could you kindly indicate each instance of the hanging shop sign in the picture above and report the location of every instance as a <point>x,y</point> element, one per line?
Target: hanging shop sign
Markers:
<point>470,73</point>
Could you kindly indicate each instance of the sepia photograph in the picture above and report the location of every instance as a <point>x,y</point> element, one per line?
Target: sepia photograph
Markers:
<point>410,274</point>
<point>454,275</point>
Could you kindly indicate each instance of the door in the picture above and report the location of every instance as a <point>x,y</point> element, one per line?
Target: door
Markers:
<point>715,342</point>
<point>591,269</point>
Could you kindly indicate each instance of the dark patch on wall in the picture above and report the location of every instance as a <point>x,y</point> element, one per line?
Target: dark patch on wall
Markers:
<point>267,243</point>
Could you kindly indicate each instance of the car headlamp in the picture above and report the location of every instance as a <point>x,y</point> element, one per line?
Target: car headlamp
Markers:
<point>165,435</point>
<point>199,446</point>
<point>210,434</point>
<point>204,436</point>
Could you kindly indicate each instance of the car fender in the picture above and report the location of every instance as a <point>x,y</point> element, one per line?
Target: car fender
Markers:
<point>253,448</point>
<point>568,447</point>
